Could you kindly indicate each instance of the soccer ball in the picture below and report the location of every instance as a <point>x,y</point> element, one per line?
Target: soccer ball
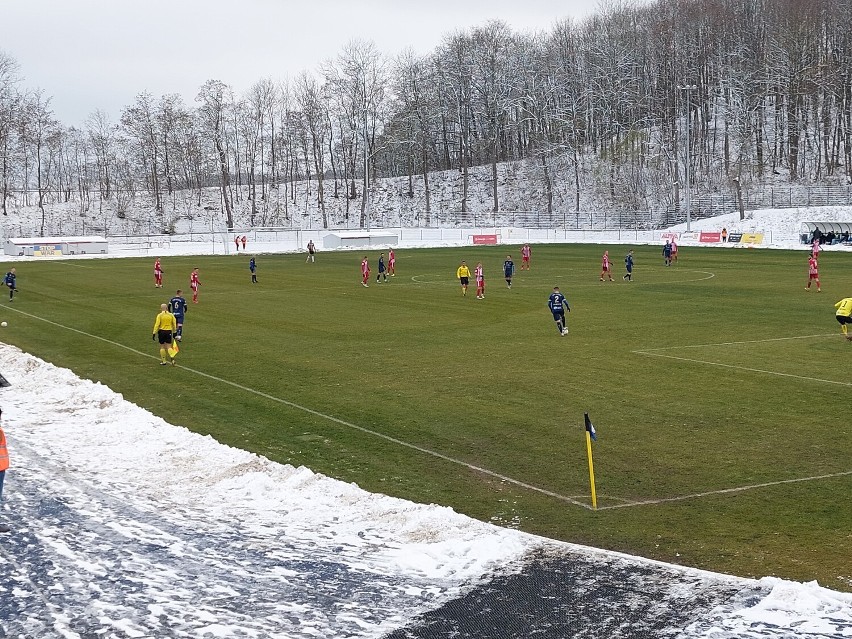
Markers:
<point>3,324</point>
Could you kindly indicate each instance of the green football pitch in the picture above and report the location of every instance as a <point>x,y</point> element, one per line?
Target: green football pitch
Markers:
<point>719,387</point>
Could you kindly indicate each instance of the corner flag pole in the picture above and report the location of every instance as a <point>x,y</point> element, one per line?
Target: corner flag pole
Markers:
<point>590,435</point>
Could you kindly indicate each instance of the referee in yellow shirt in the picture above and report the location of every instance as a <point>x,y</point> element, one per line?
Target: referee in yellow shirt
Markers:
<point>463,274</point>
<point>164,328</point>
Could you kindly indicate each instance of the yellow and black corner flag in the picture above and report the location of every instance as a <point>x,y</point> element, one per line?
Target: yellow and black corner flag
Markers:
<point>591,435</point>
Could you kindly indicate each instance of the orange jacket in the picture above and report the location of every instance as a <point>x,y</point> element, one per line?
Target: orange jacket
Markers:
<point>4,454</point>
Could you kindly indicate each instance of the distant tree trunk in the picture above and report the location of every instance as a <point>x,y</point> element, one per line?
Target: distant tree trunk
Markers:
<point>548,185</point>
<point>425,165</point>
<point>225,183</point>
<point>496,204</point>
<point>793,134</point>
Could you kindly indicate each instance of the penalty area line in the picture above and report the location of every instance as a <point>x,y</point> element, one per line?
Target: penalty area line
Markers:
<point>727,491</point>
<point>745,368</point>
<point>331,418</point>
<point>749,341</point>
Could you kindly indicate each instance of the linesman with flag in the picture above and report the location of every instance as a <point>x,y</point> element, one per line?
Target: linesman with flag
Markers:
<point>165,327</point>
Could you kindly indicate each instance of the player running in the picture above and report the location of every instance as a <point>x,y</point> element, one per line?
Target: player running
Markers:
<point>10,280</point>
<point>392,263</point>
<point>365,272</point>
<point>158,274</point>
<point>177,307</point>
<point>463,275</point>
<point>813,273</point>
<point>479,276</point>
<point>508,270</point>
<point>557,305</point>
<point>253,269</point>
<point>606,267</point>
<point>674,250</point>
<point>526,253</point>
<point>844,316</point>
<point>194,283</point>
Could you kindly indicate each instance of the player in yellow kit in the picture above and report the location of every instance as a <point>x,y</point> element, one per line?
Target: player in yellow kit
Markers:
<point>844,315</point>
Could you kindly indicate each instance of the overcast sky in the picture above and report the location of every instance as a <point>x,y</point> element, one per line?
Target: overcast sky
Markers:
<point>99,54</point>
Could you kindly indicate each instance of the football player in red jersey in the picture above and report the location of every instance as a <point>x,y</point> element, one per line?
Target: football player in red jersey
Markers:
<point>158,274</point>
<point>479,276</point>
<point>606,267</point>
<point>365,271</point>
<point>813,273</point>
<point>526,252</point>
<point>194,283</point>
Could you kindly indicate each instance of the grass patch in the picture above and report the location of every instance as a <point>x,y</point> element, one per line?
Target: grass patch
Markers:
<point>412,366</point>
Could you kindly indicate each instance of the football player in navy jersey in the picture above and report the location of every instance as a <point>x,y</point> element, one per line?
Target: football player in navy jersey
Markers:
<point>557,305</point>
<point>177,307</point>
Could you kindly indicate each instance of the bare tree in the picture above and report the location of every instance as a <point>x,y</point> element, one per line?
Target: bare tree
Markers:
<point>212,97</point>
<point>10,101</point>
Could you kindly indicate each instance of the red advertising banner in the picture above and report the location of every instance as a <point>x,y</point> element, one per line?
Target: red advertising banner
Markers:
<point>710,237</point>
<point>485,239</point>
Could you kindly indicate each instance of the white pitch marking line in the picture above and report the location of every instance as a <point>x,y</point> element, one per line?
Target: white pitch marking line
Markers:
<point>725,491</point>
<point>330,418</point>
<point>650,353</point>
<point>751,341</point>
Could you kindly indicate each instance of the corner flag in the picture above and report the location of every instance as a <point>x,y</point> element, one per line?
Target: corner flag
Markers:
<point>591,435</point>
<point>173,350</point>
<point>590,428</point>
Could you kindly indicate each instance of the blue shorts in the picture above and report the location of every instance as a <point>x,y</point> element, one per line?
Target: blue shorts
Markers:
<point>558,315</point>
